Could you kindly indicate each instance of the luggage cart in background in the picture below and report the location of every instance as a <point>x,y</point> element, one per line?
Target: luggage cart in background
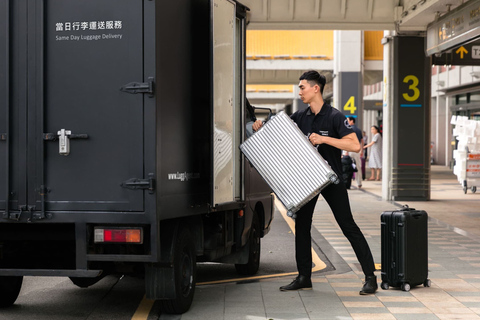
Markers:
<point>472,176</point>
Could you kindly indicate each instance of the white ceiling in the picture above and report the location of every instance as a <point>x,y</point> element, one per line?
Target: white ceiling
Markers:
<point>406,15</point>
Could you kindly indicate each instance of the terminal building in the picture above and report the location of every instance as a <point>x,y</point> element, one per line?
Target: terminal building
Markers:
<point>406,66</point>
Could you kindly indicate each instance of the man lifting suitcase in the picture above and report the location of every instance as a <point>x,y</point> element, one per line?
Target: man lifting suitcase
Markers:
<point>329,130</point>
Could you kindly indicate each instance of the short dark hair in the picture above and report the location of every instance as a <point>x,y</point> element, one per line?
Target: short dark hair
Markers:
<point>352,119</point>
<point>314,78</point>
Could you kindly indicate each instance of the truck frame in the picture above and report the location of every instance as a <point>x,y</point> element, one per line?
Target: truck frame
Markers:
<point>120,122</point>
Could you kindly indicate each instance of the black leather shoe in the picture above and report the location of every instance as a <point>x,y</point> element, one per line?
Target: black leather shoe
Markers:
<point>300,283</point>
<point>370,285</point>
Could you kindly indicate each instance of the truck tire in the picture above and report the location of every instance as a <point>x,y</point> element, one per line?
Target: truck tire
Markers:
<point>185,271</point>
<point>251,267</point>
<point>9,289</point>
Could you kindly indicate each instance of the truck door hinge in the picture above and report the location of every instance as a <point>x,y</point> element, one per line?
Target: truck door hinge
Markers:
<point>139,87</point>
<point>135,184</point>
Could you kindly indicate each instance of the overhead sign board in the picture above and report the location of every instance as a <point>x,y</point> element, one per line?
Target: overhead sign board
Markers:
<point>465,55</point>
<point>372,104</point>
<point>455,28</point>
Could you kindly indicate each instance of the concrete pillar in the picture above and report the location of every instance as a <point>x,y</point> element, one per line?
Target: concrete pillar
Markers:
<point>410,128</point>
<point>348,70</point>
<point>295,99</point>
<point>388,78</point>
<point>443,127</point>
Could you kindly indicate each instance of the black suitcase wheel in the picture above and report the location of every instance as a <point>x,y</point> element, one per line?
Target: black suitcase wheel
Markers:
<point>384,285</point>
<point>427,283</point>
<point>406,287</point>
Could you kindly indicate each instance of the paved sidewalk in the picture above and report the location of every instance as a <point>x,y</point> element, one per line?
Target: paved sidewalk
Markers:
<point>454,267</point>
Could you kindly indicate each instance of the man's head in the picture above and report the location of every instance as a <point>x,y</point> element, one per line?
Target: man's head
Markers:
<point>311,83</point>
<point>314,78</point>
<point>351,121</point>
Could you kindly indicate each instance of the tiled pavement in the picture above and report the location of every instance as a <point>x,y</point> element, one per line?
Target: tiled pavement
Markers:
<point>454,268</point>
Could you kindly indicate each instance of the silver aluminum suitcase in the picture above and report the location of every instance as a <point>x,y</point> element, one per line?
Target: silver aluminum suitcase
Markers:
<point>283,156</point>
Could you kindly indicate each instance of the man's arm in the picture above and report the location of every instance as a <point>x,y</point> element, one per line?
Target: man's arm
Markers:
<point>348,143</point>
<point>368,145</point>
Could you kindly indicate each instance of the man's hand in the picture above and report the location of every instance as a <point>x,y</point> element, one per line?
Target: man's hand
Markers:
<point>348,143</point>
<point>316,139</point>
<point>257,125</point>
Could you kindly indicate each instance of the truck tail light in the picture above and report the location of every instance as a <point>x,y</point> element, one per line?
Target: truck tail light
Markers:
<point>118,235</point>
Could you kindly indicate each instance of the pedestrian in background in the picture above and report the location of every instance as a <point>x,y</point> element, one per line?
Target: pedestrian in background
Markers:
<point>364,155</point>
<point>357,155</point>
<point>375,160</point>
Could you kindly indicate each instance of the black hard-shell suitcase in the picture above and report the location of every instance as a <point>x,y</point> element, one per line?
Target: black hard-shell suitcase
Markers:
<point>404,248</point>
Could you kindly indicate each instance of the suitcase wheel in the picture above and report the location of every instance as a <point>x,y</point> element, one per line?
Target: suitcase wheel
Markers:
<point>384,285</point>
<point>427,283</point>
<point>405,287</point>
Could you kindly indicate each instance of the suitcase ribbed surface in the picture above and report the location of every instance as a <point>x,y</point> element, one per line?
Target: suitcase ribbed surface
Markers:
<point>288,162</point>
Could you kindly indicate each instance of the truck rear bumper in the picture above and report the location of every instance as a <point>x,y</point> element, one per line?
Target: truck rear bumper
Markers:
<point>51,273</point>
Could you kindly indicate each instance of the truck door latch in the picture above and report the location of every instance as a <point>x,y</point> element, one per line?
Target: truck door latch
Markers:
<point>139,87</point>
<point>135,184</point>
<point>64,137</point>
<point>3,136</point>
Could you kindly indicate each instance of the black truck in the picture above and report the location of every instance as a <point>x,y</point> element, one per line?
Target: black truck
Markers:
<point>120,122</point>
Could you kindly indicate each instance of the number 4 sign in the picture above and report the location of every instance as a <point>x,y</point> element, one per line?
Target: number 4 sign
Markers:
<point>350,105</point>
<point>350,101</point>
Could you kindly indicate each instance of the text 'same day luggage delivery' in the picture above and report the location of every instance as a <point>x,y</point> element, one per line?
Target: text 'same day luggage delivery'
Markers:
<point>284,156</point>
<point>404,236</point>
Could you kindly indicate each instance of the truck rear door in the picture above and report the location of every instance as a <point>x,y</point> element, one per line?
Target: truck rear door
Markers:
<point>92,49</point>
<point>226,102</point>
<point>83,134</point>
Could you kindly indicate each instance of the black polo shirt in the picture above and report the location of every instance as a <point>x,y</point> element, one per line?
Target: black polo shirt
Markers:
<point>358,132</point>
<point>328,122</point>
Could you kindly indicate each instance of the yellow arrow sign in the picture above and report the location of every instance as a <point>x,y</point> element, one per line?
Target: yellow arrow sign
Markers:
<point>461,51</point>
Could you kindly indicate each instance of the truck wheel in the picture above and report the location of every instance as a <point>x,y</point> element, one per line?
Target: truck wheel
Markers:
<point>185,270</point>
<point>9,290</point>
<point>251,267</point>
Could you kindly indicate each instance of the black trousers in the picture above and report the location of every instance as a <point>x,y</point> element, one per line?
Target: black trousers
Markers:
<point>337,198</point>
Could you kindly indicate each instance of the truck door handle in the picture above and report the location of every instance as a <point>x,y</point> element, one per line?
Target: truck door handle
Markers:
<point>64,137</point>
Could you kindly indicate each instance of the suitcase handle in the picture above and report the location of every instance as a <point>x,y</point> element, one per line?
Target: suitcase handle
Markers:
<point>405,207</point>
